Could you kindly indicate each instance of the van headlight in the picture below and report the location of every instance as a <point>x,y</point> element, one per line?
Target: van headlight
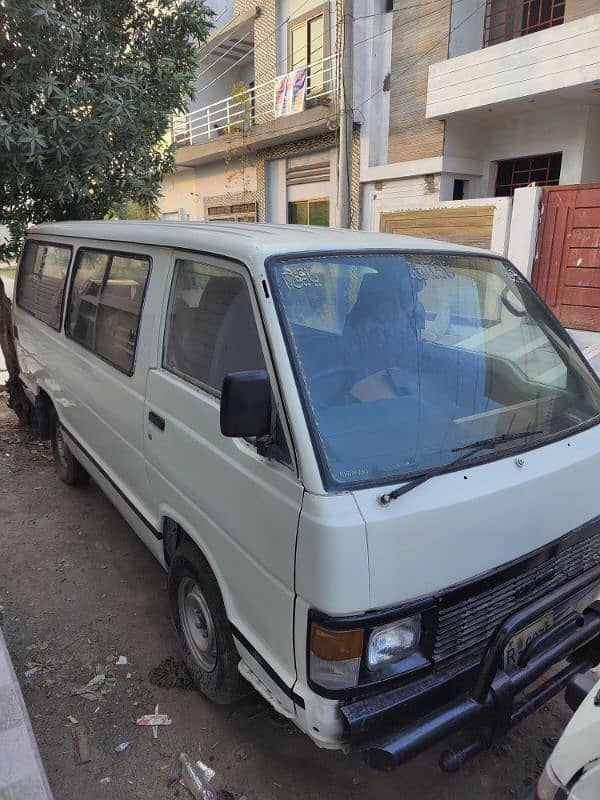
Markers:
<point>393,642</point>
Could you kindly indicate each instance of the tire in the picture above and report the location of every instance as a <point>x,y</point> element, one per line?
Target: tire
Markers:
<point>202,627</point>
<point>69,469</point>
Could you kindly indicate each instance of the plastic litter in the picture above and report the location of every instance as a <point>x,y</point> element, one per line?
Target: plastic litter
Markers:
<point>72,720</point>
<point>194,778</point>
<point>104,780</point>
<point>121,661</point>
<point>92,685</point>
<point>123,746</point>
<point>154,719</point>
<point>31,671</point>
<point>110,681</point>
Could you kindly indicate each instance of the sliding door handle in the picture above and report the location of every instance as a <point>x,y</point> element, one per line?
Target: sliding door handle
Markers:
<point>156,420</point>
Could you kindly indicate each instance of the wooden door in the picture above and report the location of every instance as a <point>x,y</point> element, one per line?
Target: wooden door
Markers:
<point>566,271</point>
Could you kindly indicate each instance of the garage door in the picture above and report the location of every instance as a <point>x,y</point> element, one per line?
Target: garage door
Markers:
<point>468,225</point>
<point>567,267</point>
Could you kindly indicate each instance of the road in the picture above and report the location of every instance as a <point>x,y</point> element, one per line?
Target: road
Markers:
<point>79,589</point>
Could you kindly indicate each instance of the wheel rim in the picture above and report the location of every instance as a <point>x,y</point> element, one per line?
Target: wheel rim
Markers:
<point>61,447</point>
<point>197,623</point>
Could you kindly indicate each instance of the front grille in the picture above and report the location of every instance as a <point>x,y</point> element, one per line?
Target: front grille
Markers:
<point>465,627</point>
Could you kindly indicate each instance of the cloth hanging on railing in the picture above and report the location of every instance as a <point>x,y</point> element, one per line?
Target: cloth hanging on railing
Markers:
<point>290,92</point>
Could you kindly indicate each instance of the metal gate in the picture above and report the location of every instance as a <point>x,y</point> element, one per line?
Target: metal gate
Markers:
<point>566,271</point>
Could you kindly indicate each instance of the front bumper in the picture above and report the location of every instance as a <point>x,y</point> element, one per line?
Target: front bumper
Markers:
<point>486,700</point>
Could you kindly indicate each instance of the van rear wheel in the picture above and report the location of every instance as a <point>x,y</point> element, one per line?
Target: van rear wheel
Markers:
<point>69,469</point>
<point>202,627</point>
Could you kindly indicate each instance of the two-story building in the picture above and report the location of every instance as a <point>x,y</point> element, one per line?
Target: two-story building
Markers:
<point>459,107</point>
<point>259,141</point>
<point>486,98</point>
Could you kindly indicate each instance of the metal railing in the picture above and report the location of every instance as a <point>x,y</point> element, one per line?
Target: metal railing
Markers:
<point>253,106</point>
<point>509,19</point>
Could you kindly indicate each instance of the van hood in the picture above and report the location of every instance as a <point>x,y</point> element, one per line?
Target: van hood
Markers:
<point>459,525</point>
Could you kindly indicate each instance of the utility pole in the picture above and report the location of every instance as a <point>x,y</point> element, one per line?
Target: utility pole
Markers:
<point>345,94</point>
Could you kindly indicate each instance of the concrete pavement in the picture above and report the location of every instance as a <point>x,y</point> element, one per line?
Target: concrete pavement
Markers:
<point>22,775</point>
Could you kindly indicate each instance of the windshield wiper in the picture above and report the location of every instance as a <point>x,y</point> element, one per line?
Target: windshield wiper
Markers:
<point>474,447</point>
<point>494,440</point>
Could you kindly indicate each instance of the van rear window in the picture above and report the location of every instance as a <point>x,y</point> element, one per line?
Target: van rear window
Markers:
<point>106,303</point>
<point>41,282</point>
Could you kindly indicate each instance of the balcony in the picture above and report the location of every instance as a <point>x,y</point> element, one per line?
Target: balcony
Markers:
<point>559,63</point>
<point>280,110</point>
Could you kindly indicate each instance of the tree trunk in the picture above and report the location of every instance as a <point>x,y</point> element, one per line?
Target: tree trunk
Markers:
<point>17,399</point>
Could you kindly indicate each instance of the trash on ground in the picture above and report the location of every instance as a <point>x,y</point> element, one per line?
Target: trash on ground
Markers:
<point>92,685</point>
<point>123,746</point>
<point>154,719</point>
<point>110,681</point>
<point>31,671</point>
<point>121,660</point>
<point>82,747</point>
<point>194,779</point>
<point>104,780</point>
<point>73,720</point>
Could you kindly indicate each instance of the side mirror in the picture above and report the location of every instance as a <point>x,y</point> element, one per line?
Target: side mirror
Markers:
<point>246,404</point>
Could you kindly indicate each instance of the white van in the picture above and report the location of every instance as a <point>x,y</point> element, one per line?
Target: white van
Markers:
<point>369,463</point>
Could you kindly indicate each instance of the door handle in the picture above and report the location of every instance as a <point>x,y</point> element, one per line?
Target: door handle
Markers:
<point>156,420</point>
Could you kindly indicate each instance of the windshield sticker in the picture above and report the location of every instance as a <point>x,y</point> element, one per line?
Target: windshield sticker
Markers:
<point>430,271</point>
<point>301,278</point>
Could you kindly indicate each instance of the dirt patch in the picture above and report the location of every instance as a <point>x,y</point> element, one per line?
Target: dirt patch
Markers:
<point>171,674</point>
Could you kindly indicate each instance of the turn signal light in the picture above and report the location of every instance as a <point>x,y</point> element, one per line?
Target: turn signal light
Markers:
<point>336,645</point>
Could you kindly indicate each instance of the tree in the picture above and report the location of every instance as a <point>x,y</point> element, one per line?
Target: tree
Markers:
<point>87,89</point>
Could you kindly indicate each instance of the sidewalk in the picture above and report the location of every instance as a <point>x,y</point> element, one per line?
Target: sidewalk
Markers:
<point>22,775</point>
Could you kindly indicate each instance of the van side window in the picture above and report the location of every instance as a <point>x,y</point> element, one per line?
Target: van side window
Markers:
<point>211,329</point>
<point>106,303</point>
<point>41,282</point>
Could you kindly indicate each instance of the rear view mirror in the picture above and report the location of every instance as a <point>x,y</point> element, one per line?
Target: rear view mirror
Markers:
<point>246,404</point>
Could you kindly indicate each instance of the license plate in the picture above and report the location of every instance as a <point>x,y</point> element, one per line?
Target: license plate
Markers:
<point>520,640</point>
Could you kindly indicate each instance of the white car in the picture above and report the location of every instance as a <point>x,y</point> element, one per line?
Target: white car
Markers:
<point>573,769</point>
<point>369,464</point>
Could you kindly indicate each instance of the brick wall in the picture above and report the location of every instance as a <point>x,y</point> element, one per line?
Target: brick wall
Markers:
<point>419,38</point>
<point>265,65</point>
<point>576,9</point>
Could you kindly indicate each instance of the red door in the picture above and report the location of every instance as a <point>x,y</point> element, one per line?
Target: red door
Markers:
<point>566,271</point>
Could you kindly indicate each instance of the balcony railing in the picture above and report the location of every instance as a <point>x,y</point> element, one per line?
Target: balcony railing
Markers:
<point>285,95</point>
<point>508,19</point>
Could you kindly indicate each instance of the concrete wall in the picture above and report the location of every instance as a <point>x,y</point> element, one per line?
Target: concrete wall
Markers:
<point>590,171</point>
<point>466,27</point>
<point>189,187</point>
<point>555,59</point>
<point>566,128</point>
<point>524,228</point>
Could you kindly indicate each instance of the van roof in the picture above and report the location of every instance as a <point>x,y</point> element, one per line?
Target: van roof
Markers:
<point>247,242</point>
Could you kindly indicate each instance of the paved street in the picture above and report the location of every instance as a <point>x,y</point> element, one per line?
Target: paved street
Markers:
<point>79,589</point>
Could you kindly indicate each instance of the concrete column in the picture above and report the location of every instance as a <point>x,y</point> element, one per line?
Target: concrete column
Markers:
<point>524,228</point>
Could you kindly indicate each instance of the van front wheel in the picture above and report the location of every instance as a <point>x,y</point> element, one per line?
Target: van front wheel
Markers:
<point>202,627</point>
<point>69,469</point>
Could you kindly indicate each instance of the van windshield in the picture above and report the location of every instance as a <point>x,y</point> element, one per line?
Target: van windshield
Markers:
<point>406,360</point>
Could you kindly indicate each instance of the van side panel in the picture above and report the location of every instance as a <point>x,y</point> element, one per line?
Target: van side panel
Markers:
<point>241,509</point>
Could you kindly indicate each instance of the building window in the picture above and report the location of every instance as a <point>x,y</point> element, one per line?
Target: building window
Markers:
<point>309,212</point>
<point>211,330</point>
<point>41,281</point>
<point>106,304</point>
<point>308,46</point>
<point>237,212</point>
<point>509,19</point>
<point>517,172</point>
<point>458,189</point>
